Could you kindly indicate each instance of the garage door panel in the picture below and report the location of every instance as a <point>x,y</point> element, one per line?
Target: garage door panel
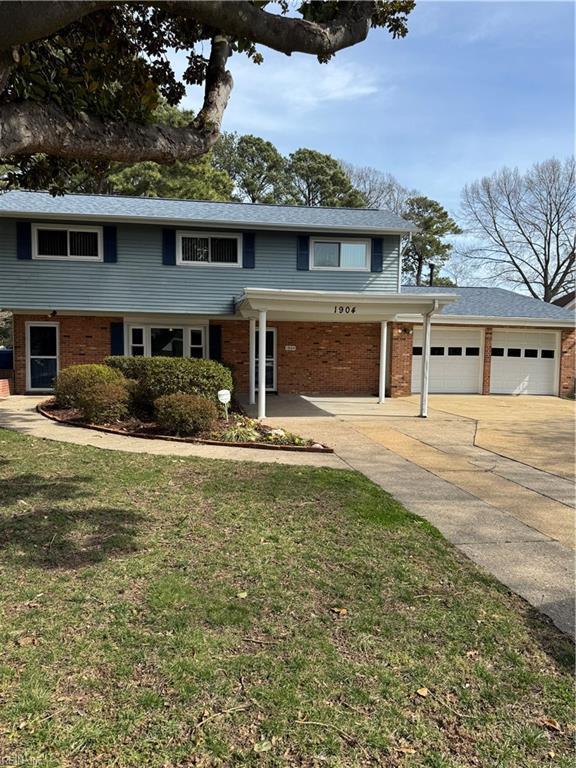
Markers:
<point>524,363</point>
<point>455,361</point>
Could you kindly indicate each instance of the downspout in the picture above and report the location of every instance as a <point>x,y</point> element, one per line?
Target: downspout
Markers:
<point>426,360</point>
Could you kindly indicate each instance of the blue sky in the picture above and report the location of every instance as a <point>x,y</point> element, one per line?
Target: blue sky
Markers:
<point>474,86</point>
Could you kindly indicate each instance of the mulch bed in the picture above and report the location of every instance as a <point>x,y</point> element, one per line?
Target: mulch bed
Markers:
<point>150,431</point>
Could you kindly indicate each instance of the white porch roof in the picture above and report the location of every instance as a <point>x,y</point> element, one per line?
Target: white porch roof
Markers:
<point>324,306</point>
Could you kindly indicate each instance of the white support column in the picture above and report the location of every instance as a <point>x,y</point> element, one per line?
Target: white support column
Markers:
<point>382,372</point>
<point>262,364</point>
<point>425,365</point>
<point>252,364</point>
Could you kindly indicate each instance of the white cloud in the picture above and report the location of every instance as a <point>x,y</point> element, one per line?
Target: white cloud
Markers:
<point>283,90</point>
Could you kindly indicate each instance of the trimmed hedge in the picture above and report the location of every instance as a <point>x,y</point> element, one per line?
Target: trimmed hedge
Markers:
<point>182,414</point>
<point>158,376</point>
<point>104,402</point>
<point>73,382</point>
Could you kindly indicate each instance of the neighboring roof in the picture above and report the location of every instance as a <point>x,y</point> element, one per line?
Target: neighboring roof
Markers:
<point>567,300</point>
<point>186,212</point>
<point>496,302</point>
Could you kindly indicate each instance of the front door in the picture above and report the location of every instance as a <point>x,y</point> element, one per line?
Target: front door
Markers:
<point>42,356</point>
<point>270,359</point>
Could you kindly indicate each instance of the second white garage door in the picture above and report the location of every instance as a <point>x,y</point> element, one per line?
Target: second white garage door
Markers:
<point>455,360</point>
<point>524,363</point>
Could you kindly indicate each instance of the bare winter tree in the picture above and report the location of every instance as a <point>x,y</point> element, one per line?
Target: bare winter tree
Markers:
<point>525,225</point>
<point>380,190</point>
<point>80,81</point>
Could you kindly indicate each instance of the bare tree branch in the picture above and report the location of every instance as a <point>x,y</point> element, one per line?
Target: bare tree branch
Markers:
<point>526,225</point>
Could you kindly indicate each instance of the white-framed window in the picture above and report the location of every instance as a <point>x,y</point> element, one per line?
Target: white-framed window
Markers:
<point>218,249</point>
<point>346,255</point>
<point>167,341</point>
<point>71,243</point>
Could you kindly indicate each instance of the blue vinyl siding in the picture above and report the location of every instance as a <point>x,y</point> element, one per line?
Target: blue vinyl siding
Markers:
<point>139,282</point>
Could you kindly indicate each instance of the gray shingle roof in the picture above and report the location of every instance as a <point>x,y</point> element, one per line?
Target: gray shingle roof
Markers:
<point>107,207</point>
<point>496,302</point>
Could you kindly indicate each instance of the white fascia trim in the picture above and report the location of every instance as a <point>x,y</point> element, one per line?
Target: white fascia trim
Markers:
<point>490,320</point>
<point>282,294</point>
<point>191,223</point>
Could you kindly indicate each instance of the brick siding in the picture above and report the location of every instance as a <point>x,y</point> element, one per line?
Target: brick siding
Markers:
<point>82,339</point>
<point>400,360</point>
<point>568,363</point>
<point>329,358</point>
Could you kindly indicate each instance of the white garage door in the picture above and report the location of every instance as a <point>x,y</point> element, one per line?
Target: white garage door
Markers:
<point>455,360</point>
<point>524,363</point>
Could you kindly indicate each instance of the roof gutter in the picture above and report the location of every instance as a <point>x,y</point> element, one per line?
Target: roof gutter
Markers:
<point>200,223</point>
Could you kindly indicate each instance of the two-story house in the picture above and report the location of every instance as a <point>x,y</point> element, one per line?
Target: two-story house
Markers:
<point>313,293</point>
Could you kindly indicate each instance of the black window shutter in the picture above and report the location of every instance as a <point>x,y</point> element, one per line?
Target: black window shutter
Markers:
<point>116,338</point>
<point>248,250</point>
<point>110,245</point>
<point>23,240</point>
<point>376,261</point>
<point>303,253</point>
<point>168,247</point>
<point>215,342</point>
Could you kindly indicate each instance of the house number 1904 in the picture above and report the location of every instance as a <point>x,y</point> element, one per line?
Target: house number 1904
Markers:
<point>344,309</point>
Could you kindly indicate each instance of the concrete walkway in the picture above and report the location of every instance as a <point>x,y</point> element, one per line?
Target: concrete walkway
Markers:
<point>19,413</point>
<point>511,518</point>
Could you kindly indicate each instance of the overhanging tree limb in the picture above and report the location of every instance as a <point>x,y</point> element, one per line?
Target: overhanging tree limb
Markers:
<point>29,127</point>
<point>22,22</point>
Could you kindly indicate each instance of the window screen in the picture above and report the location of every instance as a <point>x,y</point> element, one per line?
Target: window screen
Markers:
<point>84,244</point>
<point>223,250</point>
<point>326,255</point>
<point>52,242</point>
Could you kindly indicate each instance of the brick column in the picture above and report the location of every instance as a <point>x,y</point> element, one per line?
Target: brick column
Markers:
<point>567,363</point>
<point>487,362</point>
<point>400,335</point>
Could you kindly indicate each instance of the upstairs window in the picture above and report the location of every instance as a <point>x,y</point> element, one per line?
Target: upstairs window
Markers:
<point>72,243</point>
<point>351,255</point>
<point>206,248</point>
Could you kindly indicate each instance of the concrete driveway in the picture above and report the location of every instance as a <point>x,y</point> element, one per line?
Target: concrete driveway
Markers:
<point>494,474</point>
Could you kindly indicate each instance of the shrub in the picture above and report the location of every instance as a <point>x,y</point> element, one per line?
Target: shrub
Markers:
<point>184,414</point>
<point>104,401</point>
<point>73,382</point>
<point>158,376</point>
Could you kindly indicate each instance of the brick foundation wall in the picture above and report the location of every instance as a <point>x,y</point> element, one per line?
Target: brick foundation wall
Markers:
<point>567,363</point>
<point>400,375</point>
<point>83,339</point>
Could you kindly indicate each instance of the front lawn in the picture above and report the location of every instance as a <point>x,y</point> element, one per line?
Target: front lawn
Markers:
<point>167,612</point>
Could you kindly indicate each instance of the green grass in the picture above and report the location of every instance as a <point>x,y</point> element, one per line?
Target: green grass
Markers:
<point>165,612</point>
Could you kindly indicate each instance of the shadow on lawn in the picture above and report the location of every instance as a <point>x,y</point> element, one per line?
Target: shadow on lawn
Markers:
<point>44,534</point>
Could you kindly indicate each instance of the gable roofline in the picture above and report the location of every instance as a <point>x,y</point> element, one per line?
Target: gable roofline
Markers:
<point>203,213</point>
